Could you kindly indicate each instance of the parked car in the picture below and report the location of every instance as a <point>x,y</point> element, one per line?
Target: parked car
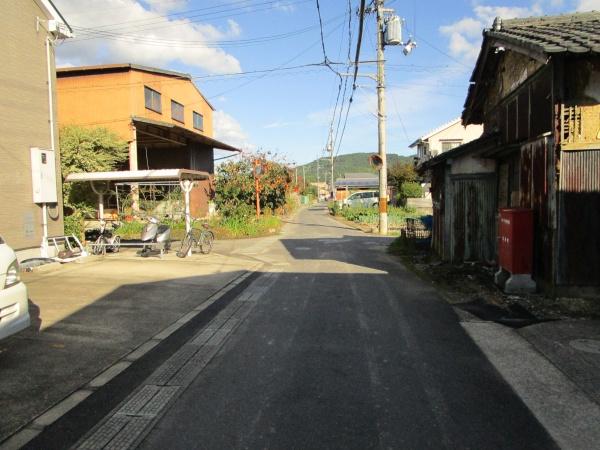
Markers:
<point>14,311</point>
<point>365,199</point>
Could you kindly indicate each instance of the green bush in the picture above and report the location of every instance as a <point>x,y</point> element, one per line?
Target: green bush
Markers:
<point>334,208</point>
<point>235,188</point>
<point>411,190</point>
<point>370,216</point>
<point>234,227</point>
<point>74,225</point>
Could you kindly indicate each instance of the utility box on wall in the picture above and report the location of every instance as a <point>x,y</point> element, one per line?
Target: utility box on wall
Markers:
<point>43,176</point>
<point>515,250</point>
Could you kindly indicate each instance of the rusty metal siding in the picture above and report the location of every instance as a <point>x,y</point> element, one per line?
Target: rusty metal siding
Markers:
<point>536,180</point>
<point>580,171</point>
<point>473,224</point>
<point>579,218</point>
<point>438,196</point>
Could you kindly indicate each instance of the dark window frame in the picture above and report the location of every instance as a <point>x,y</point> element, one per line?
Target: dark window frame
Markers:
<point>151,102</point>
<point>178,119</point>
<point>197,114</point>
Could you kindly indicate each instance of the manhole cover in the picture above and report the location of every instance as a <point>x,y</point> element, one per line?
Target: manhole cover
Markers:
<point>586,345</point>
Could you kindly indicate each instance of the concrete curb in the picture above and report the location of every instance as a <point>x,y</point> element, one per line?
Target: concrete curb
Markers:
<point>29,431</point>
<point>569,416</point>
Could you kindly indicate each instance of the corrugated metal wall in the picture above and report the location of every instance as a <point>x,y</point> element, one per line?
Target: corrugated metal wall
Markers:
<point>579,218</point>
<point>437,197</point>
<point>473,223</point>
<point>537,191</point>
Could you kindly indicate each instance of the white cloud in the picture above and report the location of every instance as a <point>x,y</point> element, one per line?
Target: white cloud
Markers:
<point>229,130</point>
<point>166,6</point>
<point>125,22</point>
<point>278,124</point>
<point>285,6</point>
<point>588,5</point>
<point>464,36</point>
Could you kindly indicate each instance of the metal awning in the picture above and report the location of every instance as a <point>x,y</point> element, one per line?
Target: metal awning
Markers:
<point>140,175</point>
<point>186,178</point>
<point>172,133</point>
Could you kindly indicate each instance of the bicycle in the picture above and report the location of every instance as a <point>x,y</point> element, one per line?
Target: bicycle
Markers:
<point>200,238</point>
<point>105,241</point>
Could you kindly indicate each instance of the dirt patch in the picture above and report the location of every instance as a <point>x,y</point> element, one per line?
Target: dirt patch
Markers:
<point>472,283</point>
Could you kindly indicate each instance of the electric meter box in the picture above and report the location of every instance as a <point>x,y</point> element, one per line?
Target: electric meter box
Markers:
<point>393,31</point>
<point>43,176</point>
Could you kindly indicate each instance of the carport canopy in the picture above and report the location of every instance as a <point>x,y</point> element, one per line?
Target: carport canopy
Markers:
<point>186,178</point>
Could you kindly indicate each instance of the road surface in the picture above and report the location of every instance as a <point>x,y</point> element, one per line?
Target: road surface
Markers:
<point>344,348</point>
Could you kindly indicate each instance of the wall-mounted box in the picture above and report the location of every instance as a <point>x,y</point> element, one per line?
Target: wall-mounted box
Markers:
<point>43,176</point>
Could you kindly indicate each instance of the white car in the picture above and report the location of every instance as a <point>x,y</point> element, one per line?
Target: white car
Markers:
<point>14,310</point>
<point>365,199</point>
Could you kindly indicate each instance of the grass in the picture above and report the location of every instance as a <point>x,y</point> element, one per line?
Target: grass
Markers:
<point>229,228</point>
<point>236,228</point>
<point>370,216</point>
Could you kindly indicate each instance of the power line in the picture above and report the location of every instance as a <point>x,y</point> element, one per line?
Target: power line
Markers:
<point>224,13</point>
<point>279,67</point>
<point>361,14</point>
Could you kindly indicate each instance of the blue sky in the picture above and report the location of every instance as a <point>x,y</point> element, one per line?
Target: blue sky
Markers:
<point>277,106</point>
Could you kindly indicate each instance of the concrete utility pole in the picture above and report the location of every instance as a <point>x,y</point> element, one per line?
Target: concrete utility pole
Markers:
<point>304,178</point>
<point>318,179</point>
<point>330,150</point>
<point>383,197</point>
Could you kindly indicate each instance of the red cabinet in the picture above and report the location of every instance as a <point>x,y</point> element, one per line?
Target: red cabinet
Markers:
<point>515,240</point>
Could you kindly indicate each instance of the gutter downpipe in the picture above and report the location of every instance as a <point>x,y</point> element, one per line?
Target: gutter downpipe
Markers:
<point>44,246</point>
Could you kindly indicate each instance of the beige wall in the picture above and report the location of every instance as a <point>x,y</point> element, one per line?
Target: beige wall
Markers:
<point>101,100</point>
<point>109,99</point>
<point>455,132</point>
<point>24,116</point>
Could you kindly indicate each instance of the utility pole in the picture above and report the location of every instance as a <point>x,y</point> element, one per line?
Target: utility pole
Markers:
<point>318,179</point>
<point>383,197</point>
<point>304,178</point>
<point>330,150</point>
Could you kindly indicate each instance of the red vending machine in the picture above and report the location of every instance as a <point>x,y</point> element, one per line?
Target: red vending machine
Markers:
<point>515,250</point>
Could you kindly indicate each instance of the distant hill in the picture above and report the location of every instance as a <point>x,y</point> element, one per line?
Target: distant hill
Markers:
<point>343,164</point>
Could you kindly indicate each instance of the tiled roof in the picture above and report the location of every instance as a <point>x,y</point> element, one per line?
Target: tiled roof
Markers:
<point>537,37</point>
<point>574,33</point>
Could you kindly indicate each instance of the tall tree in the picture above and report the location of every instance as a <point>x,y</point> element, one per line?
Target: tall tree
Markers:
<point>88,150</point>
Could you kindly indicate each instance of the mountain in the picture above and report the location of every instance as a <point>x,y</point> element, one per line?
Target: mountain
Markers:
<point>343,164</point>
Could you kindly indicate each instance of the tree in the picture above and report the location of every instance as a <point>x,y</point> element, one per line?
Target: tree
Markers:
<point>235,185</point>
<point>88,150</point>
<point>403,177</point>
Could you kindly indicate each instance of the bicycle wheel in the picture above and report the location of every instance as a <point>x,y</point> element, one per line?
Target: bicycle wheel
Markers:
<point>98,246</point>
<point>186,244</point>
<point>206,241</point>
<point>116,244</point>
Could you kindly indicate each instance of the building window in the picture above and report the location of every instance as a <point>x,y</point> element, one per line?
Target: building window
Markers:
<point>177,111</point>
<point>449,145</point>
<point>152,99</point>
<point>198,121</point>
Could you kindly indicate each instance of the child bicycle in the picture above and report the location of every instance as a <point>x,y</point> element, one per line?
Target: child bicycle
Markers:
<point>200,238</point>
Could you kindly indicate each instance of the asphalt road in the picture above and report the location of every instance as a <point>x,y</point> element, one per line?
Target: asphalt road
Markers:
<point>345,349</point>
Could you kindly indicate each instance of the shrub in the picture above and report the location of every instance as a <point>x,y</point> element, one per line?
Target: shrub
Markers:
<point>411,189</point>
<point>235,191</point>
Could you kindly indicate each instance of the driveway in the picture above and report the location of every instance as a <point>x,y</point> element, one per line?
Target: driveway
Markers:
<point>89,314</point>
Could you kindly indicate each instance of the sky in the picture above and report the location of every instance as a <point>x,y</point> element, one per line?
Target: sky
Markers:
<point>261,63</point>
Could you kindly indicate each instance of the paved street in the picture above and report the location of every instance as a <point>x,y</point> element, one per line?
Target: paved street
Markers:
<point>346,349</point>
<point>331,344</point>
